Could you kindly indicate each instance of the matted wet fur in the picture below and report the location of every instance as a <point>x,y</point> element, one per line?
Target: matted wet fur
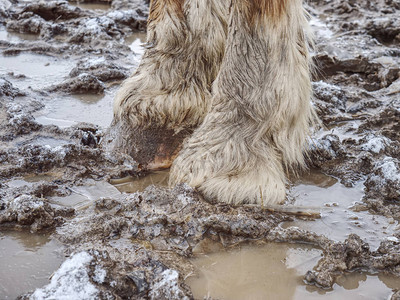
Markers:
<point>258,118</point>
<point>171,89</point>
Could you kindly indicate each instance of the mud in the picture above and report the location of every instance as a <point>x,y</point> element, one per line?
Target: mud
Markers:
<point>60,66</point>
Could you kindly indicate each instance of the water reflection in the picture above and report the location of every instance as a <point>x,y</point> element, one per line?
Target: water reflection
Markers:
<point>134,184</point>
<point>83,196</point>
<point>275,271</point>
<point>62,110</point>
<point>27,260</point>
<point>358,286</point>
<point>339,216</point>
<point>33,70</point>
<point>136,42</point>
<point>16,36</point>
<point>267,272</point>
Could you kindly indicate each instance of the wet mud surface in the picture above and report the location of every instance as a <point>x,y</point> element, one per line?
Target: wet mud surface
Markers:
<point>60,66</point>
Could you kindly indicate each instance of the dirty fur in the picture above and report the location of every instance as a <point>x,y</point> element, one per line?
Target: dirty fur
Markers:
<point>244,68</point>
<point>172,86</point>
<point>261,113</point>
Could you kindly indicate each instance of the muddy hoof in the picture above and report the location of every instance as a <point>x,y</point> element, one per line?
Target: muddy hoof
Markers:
<point>154,148</point>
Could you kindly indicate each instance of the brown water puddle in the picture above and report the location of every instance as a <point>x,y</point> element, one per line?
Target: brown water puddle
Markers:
<point>139,184</point>
<point>33,70</point>
<point>136,42</point>
<point>46,141</point>
<point>17,37</point>
<point>41,71</point>
<point>31,179</point>
<point>275,271</point>
<point>342,212</point>
<point>27,261</point>
<point>62,110</point>
<point>83,196</point>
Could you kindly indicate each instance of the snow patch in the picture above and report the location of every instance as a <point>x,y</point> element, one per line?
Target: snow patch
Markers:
<point>99,274</point>
<point>324,143</point>
<point>184,199</point>
<point>321,29</point>
<point>71,281</point>
<point>123,16</point>
<point>93,62</point>
<point>167,286</point>
<point>25,202</point>
<point>389,168</point>
<point>375,144</point>
<point>393,239</point>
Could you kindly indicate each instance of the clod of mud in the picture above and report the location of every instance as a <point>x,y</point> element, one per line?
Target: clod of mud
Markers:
<point>7,89</point>
<point>83,84</point>
<point>354,254</point>
<point>32,212</point>
<point>101,69</point>
<point>53,10</point>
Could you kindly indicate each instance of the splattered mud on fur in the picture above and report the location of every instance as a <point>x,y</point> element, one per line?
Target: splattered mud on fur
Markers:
<point>61,65</point>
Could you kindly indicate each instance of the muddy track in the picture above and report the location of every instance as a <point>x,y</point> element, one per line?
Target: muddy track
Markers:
<point>60,67</point>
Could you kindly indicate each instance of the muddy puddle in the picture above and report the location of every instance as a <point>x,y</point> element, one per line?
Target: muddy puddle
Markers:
<point>45,141</point>
<point>274,271</point>
<point>16,36</point>
<point>30,180</point>
<point>34,70</point>
<point>83,196</point>
<point>27,261</point>
<point>342,211</point>
<point>62,110</point>
<point>136,42</point>
<point>139,184</point>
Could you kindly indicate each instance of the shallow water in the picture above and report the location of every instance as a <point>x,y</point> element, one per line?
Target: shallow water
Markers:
<point>27,70</point>
<point>83,196</point>
<point>27,261</point>
<point>340,210</point>
<point>136,42</point>
<point>39,71</point>
<point>21,182</point>
<point>29,180</point>
<point>16,37</point>
<point>44,141</point>
<point>132,184</point>
<point>62,110</point>
<point>275,271</point>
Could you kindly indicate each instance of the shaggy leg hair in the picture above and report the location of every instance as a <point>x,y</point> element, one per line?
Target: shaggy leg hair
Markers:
<point>170,92</point>
<point>261,113</point>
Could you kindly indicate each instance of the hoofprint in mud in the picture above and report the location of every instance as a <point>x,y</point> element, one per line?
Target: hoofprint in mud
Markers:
<point>138,245</point>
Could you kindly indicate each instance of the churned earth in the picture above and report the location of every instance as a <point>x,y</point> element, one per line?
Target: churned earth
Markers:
<point>78,221</point>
